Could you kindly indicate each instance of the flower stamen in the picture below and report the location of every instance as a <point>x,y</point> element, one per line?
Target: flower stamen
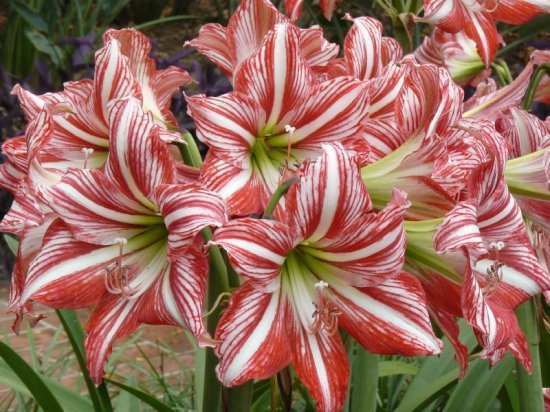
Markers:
<point>494,272</point>
<point>87,152</point>
<point>117,279</point>
<point>325,316</point>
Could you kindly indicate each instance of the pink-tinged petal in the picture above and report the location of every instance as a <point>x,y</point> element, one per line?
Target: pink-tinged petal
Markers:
<point>138,160</point>
<point>370,251</point>
<point>187,174</point>
<point>248,26</point>
<point>317,51</point>
<point>321,364</point>
<point>389,318</point>
<point>480,27</point>
<point>212,42</point>
<point>10,176</point>
<point>333,112</point>
<point>113,318</point>
<point>383,137</point>
<point>15,150</point>
<point>330,196</point>
<point>186,210</point>
<point>95,209</point>
<point>243,190</point>
<point>277,75</point>
<point>294,9</point>
<point>489,102</point>
<point>449,15</point>
<point>257,249</point>
<point>253,331</point>
<point>448,325</point>
<point>328,7</point>
<point>519,11</point>
<point>38,132</point>
<point>363,48</point>
<point>228,124</point>
<point>176,298</point>
<point>113,79</point>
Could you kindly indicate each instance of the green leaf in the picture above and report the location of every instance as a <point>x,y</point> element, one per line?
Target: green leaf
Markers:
<point>30,16</point>
<point>388,368</point>
<point>480,386</point>
<point>70,400</point>
<point>12,242</point>
<point>126,402</point>
<point>31,379</point>
<point>44,45</point>
<point>145,397</point>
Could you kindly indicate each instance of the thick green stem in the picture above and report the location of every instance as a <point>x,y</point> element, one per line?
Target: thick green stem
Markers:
<point>279,193</point>
<point>364,381</point>
<point>530,385</point>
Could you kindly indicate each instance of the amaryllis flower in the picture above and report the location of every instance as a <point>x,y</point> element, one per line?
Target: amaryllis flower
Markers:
<point>122,68</point>
<point>279,114</point>
<point>230,46</point>
<point>127,239</point>
<point>477,19</point>
<point>456,52</point>
<point>331,262</point>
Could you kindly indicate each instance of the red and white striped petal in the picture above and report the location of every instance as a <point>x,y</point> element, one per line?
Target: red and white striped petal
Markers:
<point>10,176</point>
<point>33,104</point>
<point>447,14</point>
<point>480,27</point>
<point>248,26</point>
<point>167,83</point>
<point>38,132</point>
<point>333,111</point>
<point>113,318</point>
<point>363,48</point>
<point>213,43</point>
<point>294,9</point>
<point>389,318</point>
<point>384,91</point>
<point>228,124</point>
<point>328,7</point>
<point>317,51</point>
<point>392,52</point>
<point>96,209</point>
<point>176,298</point>
<point>113,79</point>
<point>186,210</point>
<point>254,335</point>
<point>330,196</point>
<point>243,189</point>
<point>277,75</point>
<point>321,364</point>
<point>524,132</point>
<point>138,160</point>
<point>383,137</point>
<point>257,249</point>
<point>519,11</point>
<point>369,251</point>
<point>68,273</point>
<point>24,212</point>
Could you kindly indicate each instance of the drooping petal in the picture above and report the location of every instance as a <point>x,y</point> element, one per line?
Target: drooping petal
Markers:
<point>212,42</point>
<point>321,364</point>
<point>519,11</point>
<point>318,51</point>
<point>294,9</point>
<point>257,248</point>
<point>447,14</point>
<point>254,334</point>
<point>186,210</point>
<point>328,7</point>
<point>389,318</point>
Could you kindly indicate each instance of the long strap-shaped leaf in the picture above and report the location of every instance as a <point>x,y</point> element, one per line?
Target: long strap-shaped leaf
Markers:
<point>145,397</point>
<point>31,379</point>
<point>71,324</point>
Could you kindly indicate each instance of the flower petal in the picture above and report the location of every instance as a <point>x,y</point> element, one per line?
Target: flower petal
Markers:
<point>212,42</point>
<point>252,257</point>
<point>254,336</point>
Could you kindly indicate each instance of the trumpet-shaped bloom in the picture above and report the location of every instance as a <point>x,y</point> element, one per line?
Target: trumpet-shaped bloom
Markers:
<point>330,262</point>
<point>127,239</point>
<point>278,115</point>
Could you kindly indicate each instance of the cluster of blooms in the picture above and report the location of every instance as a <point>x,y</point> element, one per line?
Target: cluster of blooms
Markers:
<point>406,203</point>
